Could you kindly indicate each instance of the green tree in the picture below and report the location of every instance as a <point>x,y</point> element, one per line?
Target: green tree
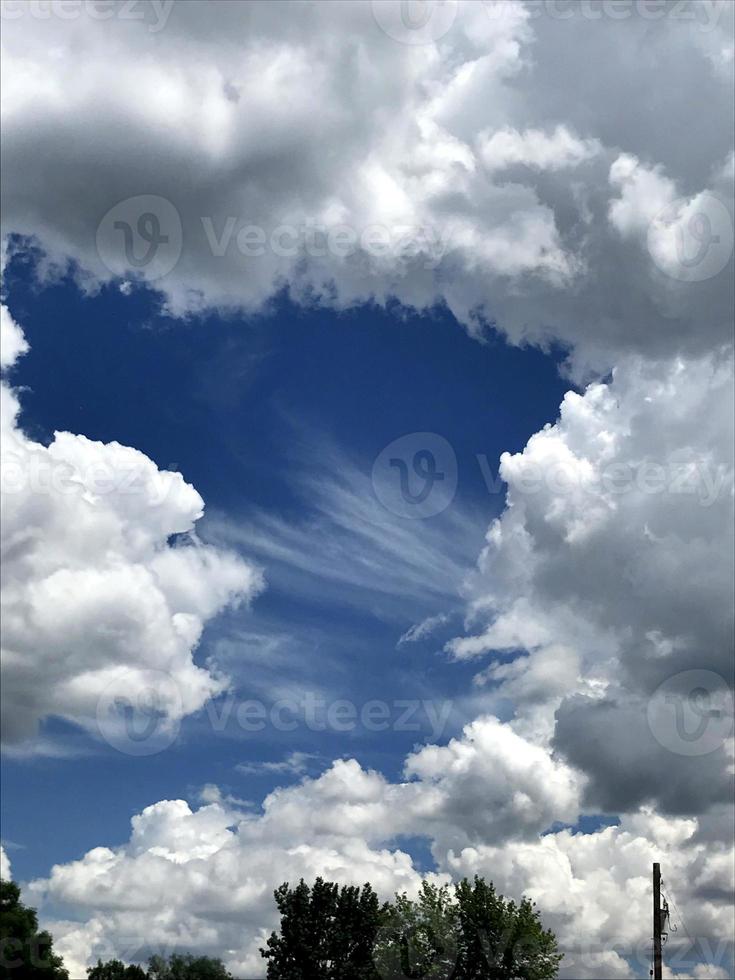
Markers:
<point>468,932</point>
<point>501,940</point>
<point>186,967</point>
<point>24,951</point>
<point>419,939</point>
<point>115,970</point>
<point>327,933</point>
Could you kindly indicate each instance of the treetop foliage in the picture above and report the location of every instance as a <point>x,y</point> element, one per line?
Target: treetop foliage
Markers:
<point>176,967</point>
<point>462,932</point>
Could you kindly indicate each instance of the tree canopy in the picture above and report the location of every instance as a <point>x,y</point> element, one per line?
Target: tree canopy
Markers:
<point>24,951</point>
<point>327,932</point>
<point>116,970</point>
<point>464,932</point>
<point>419,938</point>
<point>499,939</point>
<point>178,966</point>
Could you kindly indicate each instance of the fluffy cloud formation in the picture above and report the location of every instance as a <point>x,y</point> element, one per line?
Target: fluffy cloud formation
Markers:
<point>595,890</point>
<point>12,341</point>
<point>491,785</point>
<point>209,874</point>
<point>534,148</point>
<point>4,864</point>
<point>315,146</point>
<point>105,590</point>
<point>612,568</point>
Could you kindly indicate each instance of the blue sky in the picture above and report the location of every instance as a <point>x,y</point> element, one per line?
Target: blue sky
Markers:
<point>244,408</point>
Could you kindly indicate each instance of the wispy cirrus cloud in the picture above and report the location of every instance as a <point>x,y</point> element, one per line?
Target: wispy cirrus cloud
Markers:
<point>346,545</point>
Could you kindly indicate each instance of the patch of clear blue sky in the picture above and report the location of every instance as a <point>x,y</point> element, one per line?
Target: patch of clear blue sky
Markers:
<point>243,407</point>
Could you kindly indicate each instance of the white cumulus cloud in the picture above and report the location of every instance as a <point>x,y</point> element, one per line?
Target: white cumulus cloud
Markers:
<point>105,590</point>
<point>304,146</point>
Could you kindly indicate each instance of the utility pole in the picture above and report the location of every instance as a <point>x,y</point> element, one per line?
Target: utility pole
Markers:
<point>657,922</point>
